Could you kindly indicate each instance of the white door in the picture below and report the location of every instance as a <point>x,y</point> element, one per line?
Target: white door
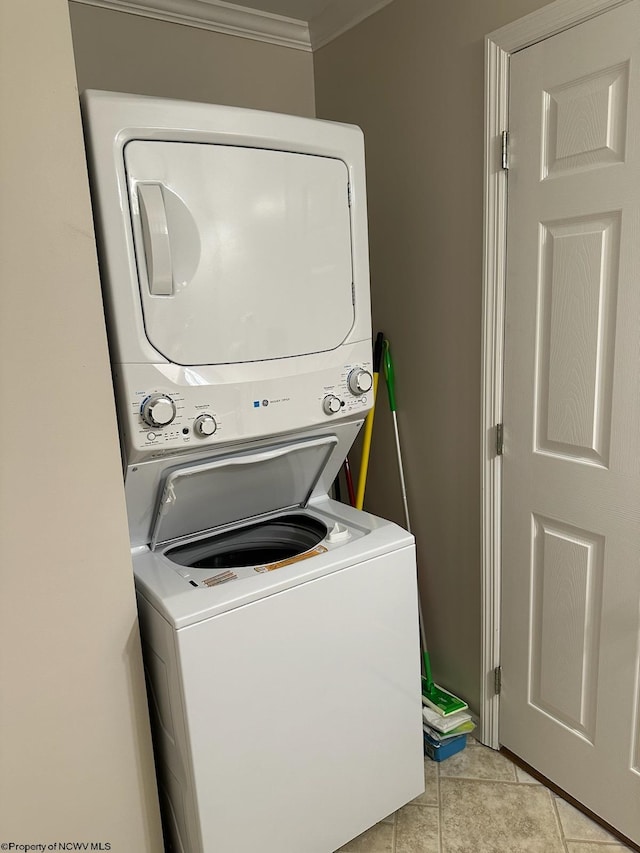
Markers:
<point>570,703</point>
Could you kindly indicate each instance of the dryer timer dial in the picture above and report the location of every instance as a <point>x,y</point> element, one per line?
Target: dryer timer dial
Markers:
<point>205,425</point>
<point>360,381</point>
<point>331,405</point>
<point>158,410</point>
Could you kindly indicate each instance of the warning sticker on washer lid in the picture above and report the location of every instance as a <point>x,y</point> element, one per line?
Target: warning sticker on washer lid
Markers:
<point>269,567</point>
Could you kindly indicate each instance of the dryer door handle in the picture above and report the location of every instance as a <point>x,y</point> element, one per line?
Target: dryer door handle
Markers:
<point>155,239</point>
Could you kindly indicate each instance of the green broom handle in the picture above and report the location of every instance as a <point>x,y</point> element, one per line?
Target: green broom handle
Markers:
<point>427,664</point>
<point>389,374</point>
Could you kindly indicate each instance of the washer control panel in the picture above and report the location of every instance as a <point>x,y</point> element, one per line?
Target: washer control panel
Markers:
<point>350,392</point>
<point>170,408</point>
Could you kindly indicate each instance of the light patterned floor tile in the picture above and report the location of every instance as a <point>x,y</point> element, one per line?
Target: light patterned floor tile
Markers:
<point>418,830</point>
<point>592,847</point>
<point>578,827</point>
<point>491,817</point>
<point>378,839</point>
<point>523,777</point>
<point>478,763</point>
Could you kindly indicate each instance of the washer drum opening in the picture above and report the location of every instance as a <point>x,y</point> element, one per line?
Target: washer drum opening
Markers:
<point>265,542</point>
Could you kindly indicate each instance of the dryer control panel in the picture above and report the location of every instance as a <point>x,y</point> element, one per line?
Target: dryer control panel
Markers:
<point>165,408</point>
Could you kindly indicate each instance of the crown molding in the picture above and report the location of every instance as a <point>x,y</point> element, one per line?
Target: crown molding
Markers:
<point>218,16</point>
<point>338,17</point>
<point>230,19</point>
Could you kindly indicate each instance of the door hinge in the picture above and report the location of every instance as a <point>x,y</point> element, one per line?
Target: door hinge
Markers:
<point>497,680</point>
<point>353,294</point>
<point>499,439</point>
<point>504,149</point>
<point>349,194</point>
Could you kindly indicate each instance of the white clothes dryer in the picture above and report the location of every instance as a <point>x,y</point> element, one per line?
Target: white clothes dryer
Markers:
<point>234,262</point>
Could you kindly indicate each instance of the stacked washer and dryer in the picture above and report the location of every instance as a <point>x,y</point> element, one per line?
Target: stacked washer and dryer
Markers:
<point>279,627</point>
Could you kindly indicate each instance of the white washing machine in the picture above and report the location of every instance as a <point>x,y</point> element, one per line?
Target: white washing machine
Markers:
<point>279,627</point>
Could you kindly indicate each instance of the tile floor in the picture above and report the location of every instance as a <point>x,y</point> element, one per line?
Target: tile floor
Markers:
<point>478,801</point>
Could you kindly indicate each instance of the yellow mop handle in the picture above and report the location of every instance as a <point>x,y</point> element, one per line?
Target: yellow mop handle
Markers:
<point>368,424</point>
<point>366,446</point>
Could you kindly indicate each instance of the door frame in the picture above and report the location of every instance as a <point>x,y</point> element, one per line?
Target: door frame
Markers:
<point>499,45</point>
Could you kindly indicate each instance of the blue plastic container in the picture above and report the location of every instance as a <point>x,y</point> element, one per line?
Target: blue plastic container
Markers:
<point>439,750</point>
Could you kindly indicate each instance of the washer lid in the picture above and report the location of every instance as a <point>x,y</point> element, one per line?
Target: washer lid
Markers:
<point>197,498</point>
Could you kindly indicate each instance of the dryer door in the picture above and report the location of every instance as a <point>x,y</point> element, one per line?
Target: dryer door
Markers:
<point>243,254</point>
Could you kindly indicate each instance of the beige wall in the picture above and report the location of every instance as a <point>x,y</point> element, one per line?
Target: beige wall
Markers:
<point>412,77</point>
<point>75,752</point>
<point>120,52</point>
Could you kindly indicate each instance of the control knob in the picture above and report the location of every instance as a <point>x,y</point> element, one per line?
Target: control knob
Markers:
<point>205,425</point>
<point>360,381</point>
<point>158,410</point>
<point>331,405</point>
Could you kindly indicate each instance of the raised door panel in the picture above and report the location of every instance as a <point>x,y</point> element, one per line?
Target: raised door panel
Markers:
<point>575,336</point>
<point>567,606</point>
<point>586,121</point>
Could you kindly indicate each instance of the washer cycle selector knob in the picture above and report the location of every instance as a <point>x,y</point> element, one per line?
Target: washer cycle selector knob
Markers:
<point>158,410</point>
<point>331,405</point>
<point>205,425</point>
<point>360,381</point>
